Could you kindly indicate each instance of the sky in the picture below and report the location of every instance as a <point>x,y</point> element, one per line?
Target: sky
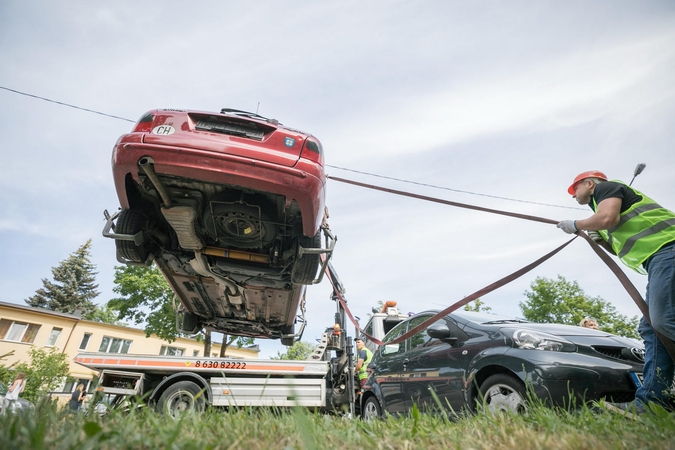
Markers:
<point>503,99</point>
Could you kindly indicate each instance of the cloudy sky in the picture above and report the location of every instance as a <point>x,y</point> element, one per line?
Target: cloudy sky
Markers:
<point>505,99</point>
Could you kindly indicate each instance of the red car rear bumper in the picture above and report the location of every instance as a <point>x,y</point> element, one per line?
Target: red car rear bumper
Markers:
<point>305,182</point>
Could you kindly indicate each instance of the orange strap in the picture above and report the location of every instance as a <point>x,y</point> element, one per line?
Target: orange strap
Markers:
<point>613,266</point>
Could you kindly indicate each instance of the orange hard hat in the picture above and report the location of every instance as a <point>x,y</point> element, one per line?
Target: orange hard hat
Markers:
<point>583,176</point>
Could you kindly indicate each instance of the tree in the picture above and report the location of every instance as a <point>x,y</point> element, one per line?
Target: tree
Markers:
<point>145,298</point>
<point>106,314</point>
<point>561,301</point>
<point>478,306</point>
<point>73,288</point>
<point>299,351</point>
<point>44,373</point>
<point>239,340</point>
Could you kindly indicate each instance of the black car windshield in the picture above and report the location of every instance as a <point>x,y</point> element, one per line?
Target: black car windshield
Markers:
<point>485,318</point>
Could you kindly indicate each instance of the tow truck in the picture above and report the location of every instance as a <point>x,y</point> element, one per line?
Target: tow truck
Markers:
<point>325,381</point>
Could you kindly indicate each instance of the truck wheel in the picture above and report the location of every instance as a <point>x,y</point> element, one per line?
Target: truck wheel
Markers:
<point>371,409</point>
<point>502,392</point>
<point>131,222</point>
<point>305,267</point>
<point>180,398</point>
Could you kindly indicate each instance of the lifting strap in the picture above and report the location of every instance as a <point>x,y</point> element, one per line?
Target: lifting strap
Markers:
<point>613,266</point>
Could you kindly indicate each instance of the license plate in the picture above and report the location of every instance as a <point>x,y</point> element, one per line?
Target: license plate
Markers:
<point>637,378</point>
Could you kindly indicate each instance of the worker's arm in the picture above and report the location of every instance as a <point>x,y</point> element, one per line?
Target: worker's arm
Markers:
<point>607,216</point>
<point>359,363</point>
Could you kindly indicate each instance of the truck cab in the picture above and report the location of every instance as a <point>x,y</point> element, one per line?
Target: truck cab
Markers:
<point>380,323</point>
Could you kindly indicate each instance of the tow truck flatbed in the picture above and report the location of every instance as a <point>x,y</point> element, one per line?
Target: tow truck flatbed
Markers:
<point>228,367</point>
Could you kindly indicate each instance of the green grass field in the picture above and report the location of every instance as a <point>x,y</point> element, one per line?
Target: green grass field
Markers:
<point>540,428</point>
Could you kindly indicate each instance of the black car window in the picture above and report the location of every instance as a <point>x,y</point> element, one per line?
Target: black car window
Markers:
<point>396,332</point>
<point>421,338</point>
<point>393,349</point>
<point>455,329</point>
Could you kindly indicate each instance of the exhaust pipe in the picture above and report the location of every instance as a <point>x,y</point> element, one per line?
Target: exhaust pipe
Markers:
<point>146,163</point>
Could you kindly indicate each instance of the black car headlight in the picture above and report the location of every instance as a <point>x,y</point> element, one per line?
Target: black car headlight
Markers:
<point>536,340</point>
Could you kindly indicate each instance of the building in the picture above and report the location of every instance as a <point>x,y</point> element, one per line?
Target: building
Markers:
<point>22,327</point>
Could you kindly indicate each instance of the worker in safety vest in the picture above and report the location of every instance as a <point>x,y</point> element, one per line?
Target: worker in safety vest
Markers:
<point>363,358</point>
<point>641,233</point>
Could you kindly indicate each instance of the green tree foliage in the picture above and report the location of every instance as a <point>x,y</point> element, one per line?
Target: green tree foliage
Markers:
<point>477,306</point>
<point>106,314</point>
<point>298,351</point>
<point>44,373</point>
<point>73,288</point>
<point>145,298</point>
<point>561,301</point>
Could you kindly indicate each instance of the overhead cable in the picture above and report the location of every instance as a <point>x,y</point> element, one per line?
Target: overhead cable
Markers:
<point>327,165</point>
<point>451,189</point>
<point>67,104</point>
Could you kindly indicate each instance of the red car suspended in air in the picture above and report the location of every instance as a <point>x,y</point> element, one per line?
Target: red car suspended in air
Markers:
<point>231,208</point>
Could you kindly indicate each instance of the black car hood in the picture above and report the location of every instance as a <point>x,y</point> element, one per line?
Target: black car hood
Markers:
<point>577,335</point>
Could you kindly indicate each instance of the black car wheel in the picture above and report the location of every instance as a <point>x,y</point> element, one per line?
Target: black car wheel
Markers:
<point>180,398</point>
<point>131,222</point>
<point>305,267</point>
<point>503,393</point>
<point>371,409</point>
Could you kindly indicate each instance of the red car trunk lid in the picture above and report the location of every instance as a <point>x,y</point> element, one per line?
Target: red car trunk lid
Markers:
<point>227,133</point>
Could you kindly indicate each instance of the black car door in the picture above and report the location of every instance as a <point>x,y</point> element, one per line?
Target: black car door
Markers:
<point>387,370</point>
<point>433,378</point>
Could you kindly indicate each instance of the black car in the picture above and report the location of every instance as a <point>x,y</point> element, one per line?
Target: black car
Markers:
<point>468,356</point>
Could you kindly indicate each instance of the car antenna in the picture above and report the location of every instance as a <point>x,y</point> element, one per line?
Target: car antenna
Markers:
<point>638,170</point>
<point>257,108</point>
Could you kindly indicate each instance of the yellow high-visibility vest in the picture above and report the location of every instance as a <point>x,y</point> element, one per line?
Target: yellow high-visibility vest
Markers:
<point>642,230</point>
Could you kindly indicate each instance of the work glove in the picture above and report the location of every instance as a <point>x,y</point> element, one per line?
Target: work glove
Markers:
<point>597,237</point>
<point>568,226</point>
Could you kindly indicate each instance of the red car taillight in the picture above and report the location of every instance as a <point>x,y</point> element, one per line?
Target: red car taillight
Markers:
<point>313,150</point>
<point>145,124</point>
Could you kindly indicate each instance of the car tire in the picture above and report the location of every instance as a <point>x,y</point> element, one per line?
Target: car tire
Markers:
<point>180,398</point>
<point>503,392</point>
<point>305,267</point>
<point>371,409</point>
<point>131,222</point>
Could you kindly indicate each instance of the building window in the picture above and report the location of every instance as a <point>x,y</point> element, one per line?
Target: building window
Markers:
<point>85,341</point>
<point>53,337</point>
<point>18,331</point>
<point>171,351</point>
<point>195,352</point>
<point>114,345</point>
<point>71,385</point>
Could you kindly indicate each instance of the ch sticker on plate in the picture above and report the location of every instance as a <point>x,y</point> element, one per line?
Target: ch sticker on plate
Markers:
<point>164,129</point>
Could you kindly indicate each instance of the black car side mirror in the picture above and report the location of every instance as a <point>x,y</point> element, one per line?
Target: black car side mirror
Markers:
<point>442,332</point>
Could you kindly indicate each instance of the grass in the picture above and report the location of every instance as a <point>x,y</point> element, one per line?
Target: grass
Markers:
<point>540,428</point>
